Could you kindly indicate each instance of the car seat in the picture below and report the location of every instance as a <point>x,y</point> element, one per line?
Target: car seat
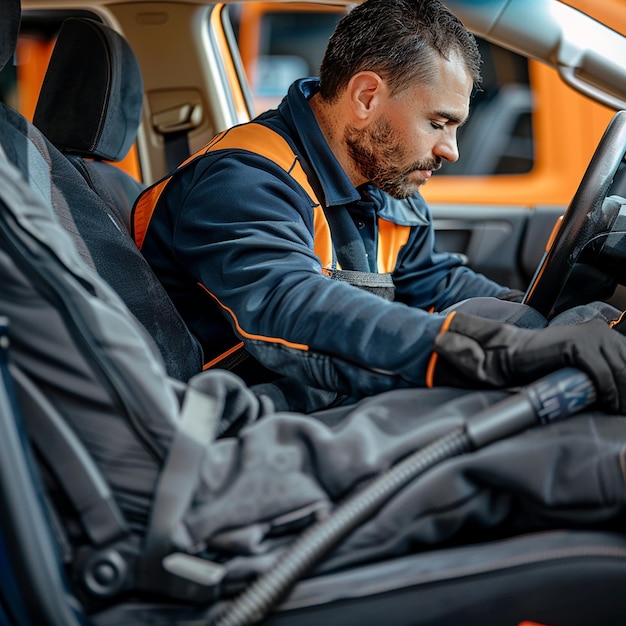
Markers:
<point>124,451</point>
<point>90,107</point>
<point>95,226</point>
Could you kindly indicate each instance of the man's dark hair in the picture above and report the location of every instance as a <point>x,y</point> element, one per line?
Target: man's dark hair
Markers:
<point>397,39</point>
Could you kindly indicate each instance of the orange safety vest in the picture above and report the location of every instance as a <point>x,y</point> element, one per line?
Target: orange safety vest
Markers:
<point>266,142</point>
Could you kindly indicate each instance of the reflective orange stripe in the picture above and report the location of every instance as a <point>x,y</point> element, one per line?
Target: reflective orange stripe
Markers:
<point>143,210</point>
<point>432,363</point>
<point>322,239</point>
<point>391,237</point>
<point>243,333</point>
<point>218,359</point>
<point>618,320</point>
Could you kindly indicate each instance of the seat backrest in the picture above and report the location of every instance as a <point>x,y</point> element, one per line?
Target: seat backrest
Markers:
<point>32,581</point>
<point>75,340</point>
<point>123,442</point>
<point>94,226</point>
<point>104,244</point>
<point>90,107</point>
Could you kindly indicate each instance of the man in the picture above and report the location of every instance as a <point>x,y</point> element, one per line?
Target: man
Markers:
<point>278,239</point>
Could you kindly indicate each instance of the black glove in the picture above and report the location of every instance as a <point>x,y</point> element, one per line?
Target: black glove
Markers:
<point>512,295</point>
<point>475,351</point>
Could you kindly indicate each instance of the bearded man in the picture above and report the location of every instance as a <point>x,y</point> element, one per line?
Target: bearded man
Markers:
<point>300,252</point>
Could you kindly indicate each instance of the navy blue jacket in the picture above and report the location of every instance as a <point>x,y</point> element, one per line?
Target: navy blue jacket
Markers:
<point>232,239</point>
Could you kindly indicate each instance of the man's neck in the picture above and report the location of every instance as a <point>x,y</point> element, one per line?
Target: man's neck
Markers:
<point>332,125</point>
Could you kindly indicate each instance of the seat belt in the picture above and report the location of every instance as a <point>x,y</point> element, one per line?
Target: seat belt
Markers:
<point>176,148</point>
<point>161,569</point>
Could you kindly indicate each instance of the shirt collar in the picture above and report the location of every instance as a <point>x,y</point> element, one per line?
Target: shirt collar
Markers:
<point>411,211</point>
<point>337,187</point>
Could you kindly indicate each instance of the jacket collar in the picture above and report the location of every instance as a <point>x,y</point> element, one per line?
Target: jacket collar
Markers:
<point>295,108</point>
<point>337,187</point>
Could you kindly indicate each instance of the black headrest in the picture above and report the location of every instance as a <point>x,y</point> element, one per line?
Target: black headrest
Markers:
<point>10,13</point>
<point>92,95</point>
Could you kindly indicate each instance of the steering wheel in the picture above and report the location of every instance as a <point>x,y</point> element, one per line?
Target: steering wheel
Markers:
<point>585,219</point>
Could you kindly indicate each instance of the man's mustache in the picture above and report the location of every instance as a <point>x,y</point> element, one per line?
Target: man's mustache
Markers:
<point>432,165</point>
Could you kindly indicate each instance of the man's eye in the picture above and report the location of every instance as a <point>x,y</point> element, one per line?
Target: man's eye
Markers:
<point>437,126</point>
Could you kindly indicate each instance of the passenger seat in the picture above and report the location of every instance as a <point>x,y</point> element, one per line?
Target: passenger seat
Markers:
<point>104,244</point>
<point>90,107</point>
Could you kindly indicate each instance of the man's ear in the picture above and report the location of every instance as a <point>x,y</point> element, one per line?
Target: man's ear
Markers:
<point>366,92</point>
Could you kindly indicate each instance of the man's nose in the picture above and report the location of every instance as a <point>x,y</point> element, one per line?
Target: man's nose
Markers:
<point>448,149</point>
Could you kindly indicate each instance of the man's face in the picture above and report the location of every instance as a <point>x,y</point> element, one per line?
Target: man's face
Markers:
<point>413,132</point>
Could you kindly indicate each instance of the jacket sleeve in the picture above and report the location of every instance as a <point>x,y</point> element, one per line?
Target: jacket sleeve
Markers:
<point>245,233</point>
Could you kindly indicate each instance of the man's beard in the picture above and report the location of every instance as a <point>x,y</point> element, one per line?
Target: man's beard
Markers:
<point>375,150</point>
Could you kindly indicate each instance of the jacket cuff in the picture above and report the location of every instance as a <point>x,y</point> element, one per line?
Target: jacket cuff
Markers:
<point>432,363</point>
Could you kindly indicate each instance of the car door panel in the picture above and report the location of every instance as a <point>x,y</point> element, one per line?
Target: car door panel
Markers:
<point>504,243</point>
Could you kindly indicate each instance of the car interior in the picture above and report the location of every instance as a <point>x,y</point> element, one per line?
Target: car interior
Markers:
<point>84,315</point>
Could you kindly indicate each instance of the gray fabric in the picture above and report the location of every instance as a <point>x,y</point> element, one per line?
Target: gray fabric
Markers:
<point>256,491</point>
<point>501,310</point>
<point>586,312</point>
<point>568,475</point>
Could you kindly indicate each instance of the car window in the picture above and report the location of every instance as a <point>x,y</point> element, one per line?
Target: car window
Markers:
<point>498,136</point>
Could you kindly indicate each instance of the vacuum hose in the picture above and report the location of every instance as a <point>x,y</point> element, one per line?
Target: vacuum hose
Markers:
<point>553,397</point>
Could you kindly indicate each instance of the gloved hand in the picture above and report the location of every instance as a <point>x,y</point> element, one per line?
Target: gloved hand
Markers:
<point>512,295</point>
<point>475,351</point>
